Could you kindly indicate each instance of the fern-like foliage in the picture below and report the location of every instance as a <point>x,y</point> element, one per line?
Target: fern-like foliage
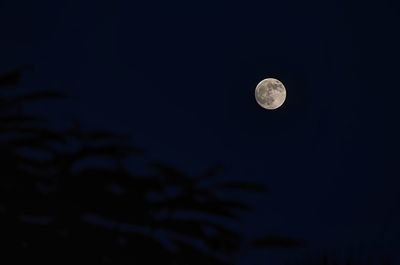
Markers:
<point>66,197</point>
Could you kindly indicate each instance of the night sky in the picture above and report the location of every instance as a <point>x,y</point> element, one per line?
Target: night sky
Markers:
<point>180,79</point>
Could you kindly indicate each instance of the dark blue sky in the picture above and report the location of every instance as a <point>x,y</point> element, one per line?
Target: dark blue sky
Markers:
<point>180,78</point>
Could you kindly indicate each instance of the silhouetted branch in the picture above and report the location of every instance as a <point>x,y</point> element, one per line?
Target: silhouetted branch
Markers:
<point>273,241</point>
<point>53,201</point>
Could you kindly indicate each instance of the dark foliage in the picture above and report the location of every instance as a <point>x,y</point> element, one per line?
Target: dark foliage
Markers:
<point>275,241</point>
<point>56,208</point>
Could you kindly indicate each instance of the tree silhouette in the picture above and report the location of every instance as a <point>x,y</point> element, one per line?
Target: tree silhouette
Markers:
<point>61,203</point>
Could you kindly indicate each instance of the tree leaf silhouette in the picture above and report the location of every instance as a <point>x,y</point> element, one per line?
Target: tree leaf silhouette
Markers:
<point>274,241</point>
<point>241,185</point>
<point>54,203</point>
<point>10,79</point>
<point>35,96</point>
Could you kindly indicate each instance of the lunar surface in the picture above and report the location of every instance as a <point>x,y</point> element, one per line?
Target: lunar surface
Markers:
<point>270,93</point>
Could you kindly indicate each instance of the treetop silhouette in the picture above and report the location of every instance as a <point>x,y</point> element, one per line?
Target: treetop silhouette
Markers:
<point>62,204</point>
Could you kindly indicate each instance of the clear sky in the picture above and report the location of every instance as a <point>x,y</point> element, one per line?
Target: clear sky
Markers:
<point>180,77</point>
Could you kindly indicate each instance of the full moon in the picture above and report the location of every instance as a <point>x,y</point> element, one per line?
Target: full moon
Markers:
<point>270,93</point>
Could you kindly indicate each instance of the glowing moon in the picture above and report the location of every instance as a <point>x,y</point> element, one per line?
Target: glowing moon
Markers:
<point>270,93</point>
